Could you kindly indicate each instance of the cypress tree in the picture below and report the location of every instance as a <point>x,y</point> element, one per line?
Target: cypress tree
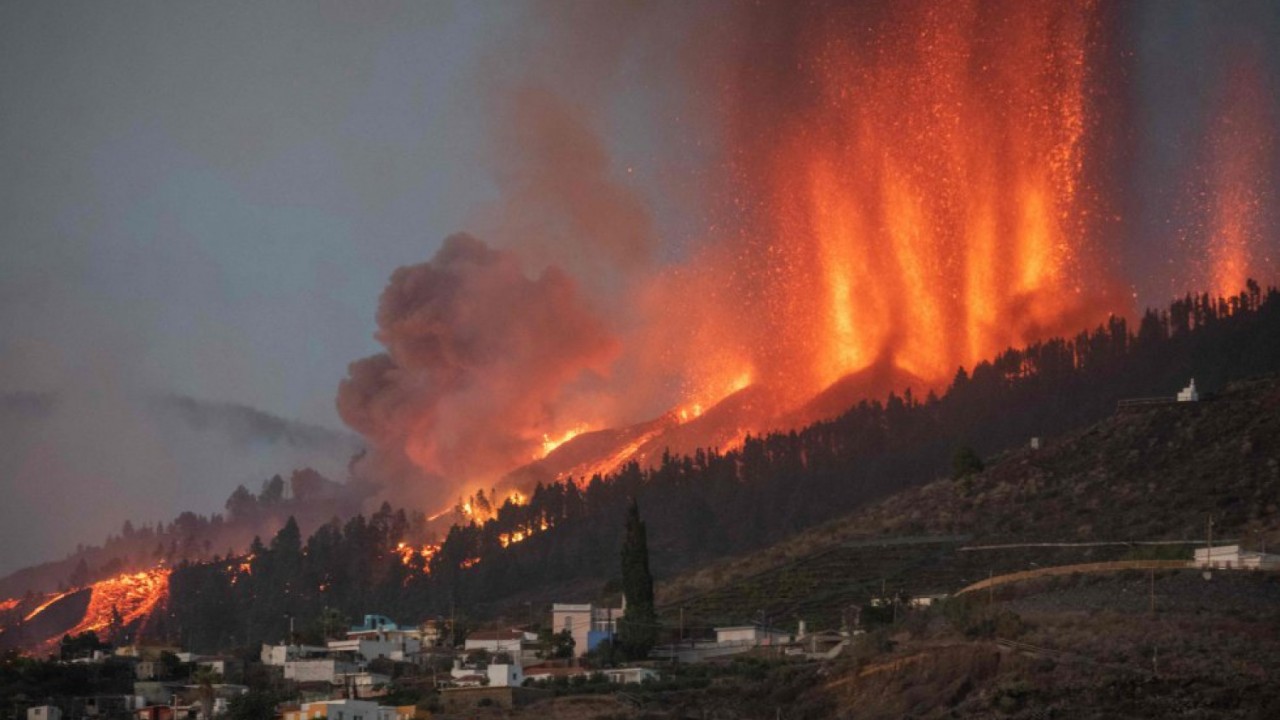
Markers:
<point>638,628</point>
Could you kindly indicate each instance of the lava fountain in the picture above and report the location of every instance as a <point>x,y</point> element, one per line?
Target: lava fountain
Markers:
<point>918,175</point>
<point>1240,143</point>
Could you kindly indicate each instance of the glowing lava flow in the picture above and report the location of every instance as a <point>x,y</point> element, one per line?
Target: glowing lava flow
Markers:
<point>549,444</point>
<point>125,598</point>
<point>1240,143</point>
<point>922,187</point>
<point>44,605</point>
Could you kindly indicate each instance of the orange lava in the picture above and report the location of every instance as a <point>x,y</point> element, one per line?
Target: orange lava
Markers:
<point>1240,143</point>
<point>549,443</point>
<point>131,597</point>
<point>923,206</point>
<point>44,605</point>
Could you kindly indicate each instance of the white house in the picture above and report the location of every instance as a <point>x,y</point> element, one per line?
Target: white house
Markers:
<point>278,655</point>
<point>729,641</point>
<point>401,647</point>
<point>505,675</point>
<point>1232,557</point>
<point>520,645</point>
<point>44,712</point>
<point>629,675</point>
<point>587,624</point>
<point>751,636</point>
<point>379,637</point>
<point>1189,393</point>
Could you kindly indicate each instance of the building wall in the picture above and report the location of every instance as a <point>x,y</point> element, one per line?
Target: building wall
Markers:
<point>44,712</point>
<point>586,623</point>
<point>494,646</point>
<point>505,676</point>
<point>316,670</point>
<point>736,634</point>
<point>340,710</point>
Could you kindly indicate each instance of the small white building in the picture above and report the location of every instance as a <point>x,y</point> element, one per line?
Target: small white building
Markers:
<point>751,636</point>
<point>1189,393</point>
<point>505,675</point>
<point>733,640</point>
<point>924,601</point>
<point>630,675</point>
<point>379,637</point>
<point>520,645</point>
<point>400,648</point>
<point>587,624</point>
<point>44,712</point>
<point>278,655</point>
<point>1232,557</point>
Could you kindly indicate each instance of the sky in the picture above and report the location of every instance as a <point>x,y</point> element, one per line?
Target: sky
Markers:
<point>208,198</point>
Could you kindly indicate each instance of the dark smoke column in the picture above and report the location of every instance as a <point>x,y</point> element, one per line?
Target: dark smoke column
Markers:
<point>480,362</point>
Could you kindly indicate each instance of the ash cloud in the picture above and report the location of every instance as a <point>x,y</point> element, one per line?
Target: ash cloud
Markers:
<point>480,361</point>
<point>629,145</point>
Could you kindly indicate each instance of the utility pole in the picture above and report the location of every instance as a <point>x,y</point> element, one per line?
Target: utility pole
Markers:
<point>1208,558</point>
<point>1153,591</point>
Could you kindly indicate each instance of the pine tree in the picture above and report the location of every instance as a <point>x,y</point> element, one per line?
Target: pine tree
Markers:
<point>638,628</point>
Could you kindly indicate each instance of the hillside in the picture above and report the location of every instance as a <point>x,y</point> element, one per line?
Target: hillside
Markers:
<point>1151,473</point>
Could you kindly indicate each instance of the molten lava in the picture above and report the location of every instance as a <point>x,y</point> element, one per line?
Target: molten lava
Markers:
<point>45,605</point>
<point>921,194</point>
<point>1240,143</point>
<point>124,600</point>
<point>549,444</point>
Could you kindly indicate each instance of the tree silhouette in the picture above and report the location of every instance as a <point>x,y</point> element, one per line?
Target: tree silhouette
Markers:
<point>638,628</point>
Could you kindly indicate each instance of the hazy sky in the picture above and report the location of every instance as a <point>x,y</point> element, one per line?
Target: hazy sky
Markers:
<point>210,196</point>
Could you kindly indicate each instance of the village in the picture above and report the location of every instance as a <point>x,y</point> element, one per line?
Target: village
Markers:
<point>363,673</point>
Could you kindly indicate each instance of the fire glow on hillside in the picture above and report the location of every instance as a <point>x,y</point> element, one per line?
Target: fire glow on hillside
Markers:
<point>121,603</point>
<point>905,190</point>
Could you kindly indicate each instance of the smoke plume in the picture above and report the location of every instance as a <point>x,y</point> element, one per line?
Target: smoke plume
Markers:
<point>842,198</point>
<point>481,362</point>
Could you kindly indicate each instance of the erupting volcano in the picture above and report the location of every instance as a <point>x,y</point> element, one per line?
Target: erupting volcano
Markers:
<point>920,202</point>
<point>900,190</point>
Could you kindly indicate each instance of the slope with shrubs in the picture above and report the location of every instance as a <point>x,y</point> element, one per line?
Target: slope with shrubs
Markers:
<point>1150,473</point>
